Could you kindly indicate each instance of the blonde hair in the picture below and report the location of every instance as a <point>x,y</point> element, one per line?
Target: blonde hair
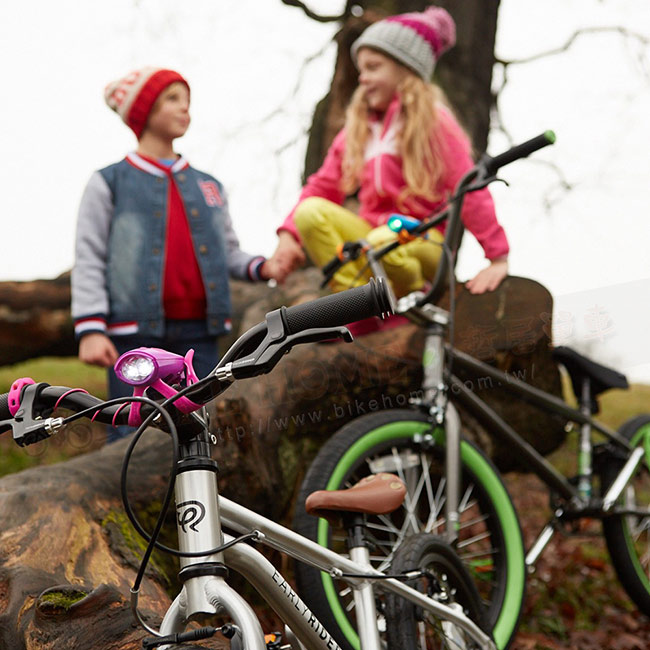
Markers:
<point>422,163</point>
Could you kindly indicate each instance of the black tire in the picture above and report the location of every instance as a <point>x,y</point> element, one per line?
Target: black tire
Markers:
<point>628,536</point>
<point>490,541</point>
<point>447,580</point>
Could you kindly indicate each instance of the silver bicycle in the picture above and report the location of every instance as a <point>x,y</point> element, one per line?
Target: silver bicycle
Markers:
<point>425,597</point>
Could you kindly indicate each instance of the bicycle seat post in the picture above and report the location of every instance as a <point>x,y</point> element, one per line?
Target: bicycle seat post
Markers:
<point>364,596</point>
<point>585,468</point>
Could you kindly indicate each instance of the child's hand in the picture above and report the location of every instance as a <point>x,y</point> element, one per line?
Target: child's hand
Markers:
<point>98,350</point>
<point>489,278</point>
<point>289,254</point>
<point>273,269</point>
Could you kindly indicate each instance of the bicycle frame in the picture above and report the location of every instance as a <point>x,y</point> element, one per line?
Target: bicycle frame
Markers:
<point>579,498</point>
<point>580,501</point>
<point>200,514</point>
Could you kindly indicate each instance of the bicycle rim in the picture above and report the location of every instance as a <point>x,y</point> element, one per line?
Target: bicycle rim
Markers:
<point>489,536</point>
<point>628,536</point>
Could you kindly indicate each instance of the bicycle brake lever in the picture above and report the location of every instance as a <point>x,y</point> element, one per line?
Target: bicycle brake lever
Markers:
<point>264,359</point>
<point>28,425</point>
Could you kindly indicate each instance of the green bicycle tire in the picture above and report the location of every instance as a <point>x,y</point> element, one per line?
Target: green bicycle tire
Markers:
<point>347,451</point>
<point>628,537</point>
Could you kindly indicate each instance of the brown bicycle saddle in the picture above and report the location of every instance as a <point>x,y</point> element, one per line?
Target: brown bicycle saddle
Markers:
<point>377,494</point>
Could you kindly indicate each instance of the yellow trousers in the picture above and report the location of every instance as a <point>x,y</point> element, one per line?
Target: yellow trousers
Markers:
<point>324,225</point>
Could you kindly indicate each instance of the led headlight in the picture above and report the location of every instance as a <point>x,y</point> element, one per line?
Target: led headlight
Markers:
<point>135,369</point>
<point>144,366</point>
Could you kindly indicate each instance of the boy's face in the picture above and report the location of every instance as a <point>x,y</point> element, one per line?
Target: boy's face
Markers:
<point>170,116</point>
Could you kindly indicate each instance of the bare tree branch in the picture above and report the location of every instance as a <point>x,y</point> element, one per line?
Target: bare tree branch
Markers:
<point>562,186</point>
<point>313,15</point>
<point>645,40</point>
<point>288,101</point>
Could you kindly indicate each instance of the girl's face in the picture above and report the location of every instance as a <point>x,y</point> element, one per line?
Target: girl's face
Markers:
<point>170,115</point>
<point>379,76</point>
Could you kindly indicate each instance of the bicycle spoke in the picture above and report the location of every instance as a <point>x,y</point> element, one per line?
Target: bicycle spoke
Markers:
<point>386,529</point>
<point>434,520</point>
<point>407,501</point>
<point>473,540</point>
<point>473,522</point>
<point>479,553</point>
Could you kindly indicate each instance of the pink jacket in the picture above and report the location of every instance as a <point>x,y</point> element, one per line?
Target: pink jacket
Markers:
<point>382,181</point>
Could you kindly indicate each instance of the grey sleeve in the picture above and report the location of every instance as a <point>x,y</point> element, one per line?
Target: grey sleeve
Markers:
<point>241,265</point>
<point>88,281</point>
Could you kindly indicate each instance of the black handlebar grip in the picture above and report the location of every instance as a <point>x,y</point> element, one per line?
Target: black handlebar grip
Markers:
<point>522,150</point>
<point>337,309</point>
<point>5,413</point>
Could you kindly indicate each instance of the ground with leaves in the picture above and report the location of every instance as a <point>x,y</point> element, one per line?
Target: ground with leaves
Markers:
<point>574,600</point>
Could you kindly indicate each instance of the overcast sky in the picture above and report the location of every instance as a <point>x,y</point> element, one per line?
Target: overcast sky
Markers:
<point>252,97</point>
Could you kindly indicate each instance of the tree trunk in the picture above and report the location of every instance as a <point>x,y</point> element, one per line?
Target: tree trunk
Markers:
<point>318,388</point>
<point>464,73</point>
<point>63,537</point>
<point>509,328</point>
<point>35,320</point>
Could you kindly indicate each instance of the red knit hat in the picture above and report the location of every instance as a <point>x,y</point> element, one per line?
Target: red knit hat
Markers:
<point>133,96</point>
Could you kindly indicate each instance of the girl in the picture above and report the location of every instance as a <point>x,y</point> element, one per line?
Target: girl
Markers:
<point>403,151</point>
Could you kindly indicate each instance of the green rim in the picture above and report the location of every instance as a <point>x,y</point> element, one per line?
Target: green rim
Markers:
<point>643,436</point>
<point>509,614</point>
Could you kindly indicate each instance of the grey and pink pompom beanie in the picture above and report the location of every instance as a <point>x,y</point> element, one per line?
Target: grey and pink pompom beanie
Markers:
<point>416,40</point>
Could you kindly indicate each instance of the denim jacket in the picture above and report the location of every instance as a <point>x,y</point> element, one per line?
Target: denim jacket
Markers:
<point>120,248</point>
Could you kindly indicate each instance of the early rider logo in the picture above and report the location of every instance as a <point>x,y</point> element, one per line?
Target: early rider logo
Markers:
<point>190,514</point>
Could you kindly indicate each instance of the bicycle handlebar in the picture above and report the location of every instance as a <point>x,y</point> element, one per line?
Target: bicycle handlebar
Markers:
<point>315,320</point>
<point>340,308</point>
<point>492,164</point>
<point>5,413</point>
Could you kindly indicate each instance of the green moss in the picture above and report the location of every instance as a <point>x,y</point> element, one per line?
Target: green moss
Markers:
<point>162,565</point>
<point>63,599</point>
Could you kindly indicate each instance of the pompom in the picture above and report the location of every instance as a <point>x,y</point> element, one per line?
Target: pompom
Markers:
<point>444,26</point>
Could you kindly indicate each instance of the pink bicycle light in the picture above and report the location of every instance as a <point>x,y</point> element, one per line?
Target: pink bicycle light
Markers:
<point>144,366</point>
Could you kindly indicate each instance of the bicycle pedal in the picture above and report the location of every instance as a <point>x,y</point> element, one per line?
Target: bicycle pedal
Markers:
<point>273,641</point>
<point>179,638</point>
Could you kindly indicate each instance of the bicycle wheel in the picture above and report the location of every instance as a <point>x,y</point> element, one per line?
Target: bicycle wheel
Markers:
<point>403,442</point>
<point>628,536</point>
<point>444,578</point>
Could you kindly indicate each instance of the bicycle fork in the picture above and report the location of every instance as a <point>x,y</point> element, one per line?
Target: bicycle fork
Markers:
<point>205,590</point>
<point>444,414</point>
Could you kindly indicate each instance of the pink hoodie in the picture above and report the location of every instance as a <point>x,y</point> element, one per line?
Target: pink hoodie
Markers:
<point>382,181</point>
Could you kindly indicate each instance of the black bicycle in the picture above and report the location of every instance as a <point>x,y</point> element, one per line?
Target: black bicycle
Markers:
<point>453,488</point>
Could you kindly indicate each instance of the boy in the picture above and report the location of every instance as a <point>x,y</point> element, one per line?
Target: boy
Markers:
<point>155,243</point>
